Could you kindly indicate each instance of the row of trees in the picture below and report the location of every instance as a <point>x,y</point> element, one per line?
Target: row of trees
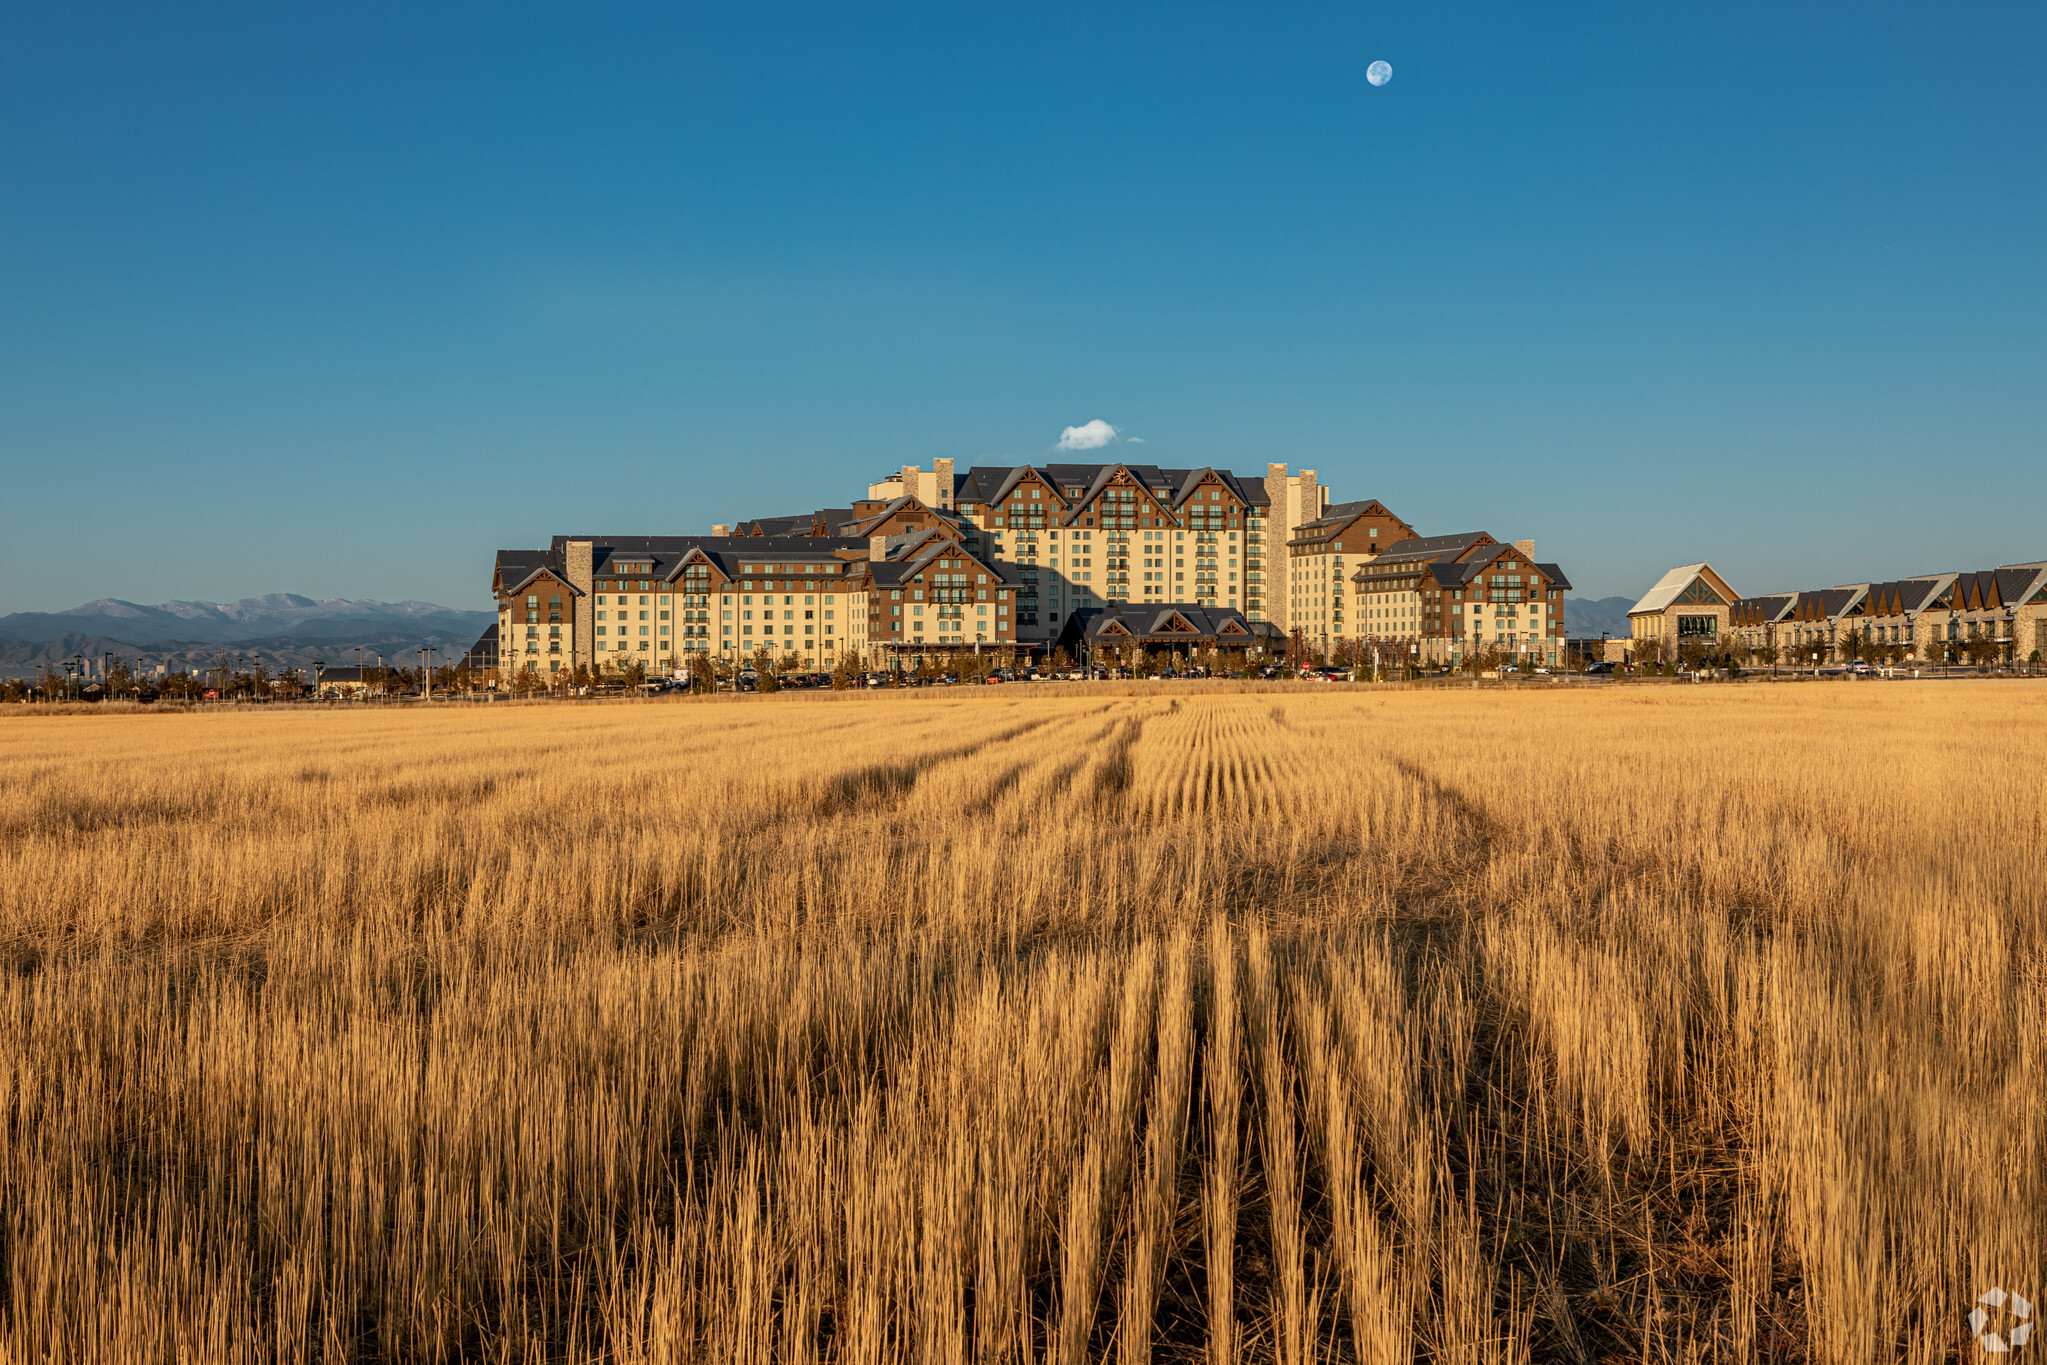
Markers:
<point>225,680</point>
<point>769,671</point>
<point>1390,661</point>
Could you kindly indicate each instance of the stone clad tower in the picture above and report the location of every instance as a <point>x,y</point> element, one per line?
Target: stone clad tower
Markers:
<point>1295,499</point>
<point>578,557</point>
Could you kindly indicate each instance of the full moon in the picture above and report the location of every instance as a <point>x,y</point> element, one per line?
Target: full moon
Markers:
<point>1378,73</point>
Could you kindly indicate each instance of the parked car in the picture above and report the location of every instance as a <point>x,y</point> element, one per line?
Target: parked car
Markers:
<point>1600,669</point>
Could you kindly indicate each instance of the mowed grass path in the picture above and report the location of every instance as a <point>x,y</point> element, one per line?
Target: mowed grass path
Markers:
<point>1027,1024</point>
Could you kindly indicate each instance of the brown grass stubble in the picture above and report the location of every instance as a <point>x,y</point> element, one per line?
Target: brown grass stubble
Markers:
<point>1691,1025</point>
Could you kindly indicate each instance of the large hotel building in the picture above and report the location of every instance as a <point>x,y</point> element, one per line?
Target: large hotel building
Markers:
<point>1031,558</point>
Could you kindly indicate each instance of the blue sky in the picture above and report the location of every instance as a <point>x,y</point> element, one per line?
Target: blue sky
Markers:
<point>339,299</point>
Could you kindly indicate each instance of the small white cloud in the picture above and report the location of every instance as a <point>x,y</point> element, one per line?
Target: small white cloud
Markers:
<point>1088,436</point>
<point>1134,440</point>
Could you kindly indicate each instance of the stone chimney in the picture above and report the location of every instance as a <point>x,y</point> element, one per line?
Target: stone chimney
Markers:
<point>1526,547</point>
<point>877,548</point>
<point>910,481</point>
<point>721,529</point>
<point>578,557</point>
<point>942,476</point>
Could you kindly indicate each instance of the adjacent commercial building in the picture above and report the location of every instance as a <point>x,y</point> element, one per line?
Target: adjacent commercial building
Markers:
<point>1930,617</point>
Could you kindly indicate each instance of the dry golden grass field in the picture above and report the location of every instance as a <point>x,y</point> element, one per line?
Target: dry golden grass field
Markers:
<point>1686,1024</point>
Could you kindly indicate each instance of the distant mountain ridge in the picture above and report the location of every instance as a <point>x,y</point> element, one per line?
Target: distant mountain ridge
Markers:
<point>1585,617</point>
<point>276,614</point>
<point>283,630</point>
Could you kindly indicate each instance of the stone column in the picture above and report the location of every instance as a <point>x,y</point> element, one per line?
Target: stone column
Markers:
<point>1278,582</point>
<point>579,556</point>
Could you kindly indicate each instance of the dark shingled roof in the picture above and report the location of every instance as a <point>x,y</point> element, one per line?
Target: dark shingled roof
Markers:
<point>1150,622</point>
<point>863,526</point>
<point>912,554</point>
<point>990,484</point>
<point>1760,611</point>
<point>826,521</point>
<point>1429,547</point>
<point>1899,597</point>
<point>1445,568</point>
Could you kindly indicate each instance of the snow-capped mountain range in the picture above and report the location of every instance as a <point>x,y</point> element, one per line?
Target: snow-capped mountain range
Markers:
<point>283,629</point>
<point>274,614</point>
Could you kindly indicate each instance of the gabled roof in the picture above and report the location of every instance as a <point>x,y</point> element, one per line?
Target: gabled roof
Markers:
<point>1428,547</point>
<point>669,555</point>
<point>1017,475</point>
<point>516,566</point>
<point>1482,557</point>
<point>864,526</point>
<point>911,555</point>
<point>1157,623</point>
<point>542,571</point>
<point>1336,517</point>
<point>1555,575</point>
<point>1903,596</point>
<point>1190,482</point>
<point>1671,585</point>
<point>1343,513</point>
<point>1761,611</point>
<point>2028,582</point>
<point>1996,589</point>
<point>826,521</point>
<point>991,484</point>
<point>1826,604</point>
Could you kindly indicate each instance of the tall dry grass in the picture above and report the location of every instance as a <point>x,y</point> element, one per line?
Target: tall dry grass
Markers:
<point>1699,1025</point>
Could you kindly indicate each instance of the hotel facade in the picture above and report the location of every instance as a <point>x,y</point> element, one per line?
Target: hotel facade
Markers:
<point>1005,557</point>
